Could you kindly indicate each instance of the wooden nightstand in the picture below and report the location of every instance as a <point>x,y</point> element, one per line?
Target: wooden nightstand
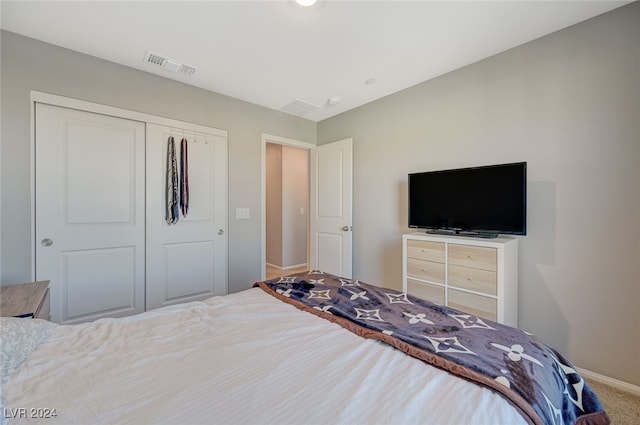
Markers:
<point>29,300</point>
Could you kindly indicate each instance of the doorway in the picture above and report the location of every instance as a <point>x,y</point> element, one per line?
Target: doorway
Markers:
<point>285,206</point>
<point>287,200</point>
<point>329,218</point>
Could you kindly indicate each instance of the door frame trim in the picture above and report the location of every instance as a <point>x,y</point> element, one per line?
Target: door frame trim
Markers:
<point>277,140</point>
<point>97,108</point>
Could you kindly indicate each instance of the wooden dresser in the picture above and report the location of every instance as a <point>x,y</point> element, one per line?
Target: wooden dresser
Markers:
<point>29,300</point>
<point>474,275</point>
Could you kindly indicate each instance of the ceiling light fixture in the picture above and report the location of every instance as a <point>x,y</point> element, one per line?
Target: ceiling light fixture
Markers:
<point>306,3</point>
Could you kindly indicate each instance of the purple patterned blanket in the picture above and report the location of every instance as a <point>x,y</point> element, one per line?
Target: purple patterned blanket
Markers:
<point>535,378</point>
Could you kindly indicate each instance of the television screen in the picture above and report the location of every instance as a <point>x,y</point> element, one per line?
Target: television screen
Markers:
<point>485,200</point>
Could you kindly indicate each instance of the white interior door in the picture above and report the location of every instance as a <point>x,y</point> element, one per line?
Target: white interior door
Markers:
<point>89,213</point>
<point>331,171</point>
<point>187,261</point>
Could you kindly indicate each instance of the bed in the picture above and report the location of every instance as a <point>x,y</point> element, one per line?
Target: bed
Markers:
<point>282,352</point>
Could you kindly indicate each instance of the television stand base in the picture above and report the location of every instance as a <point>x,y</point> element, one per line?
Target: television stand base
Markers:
<point>462,233</point>
<point>442,232</point>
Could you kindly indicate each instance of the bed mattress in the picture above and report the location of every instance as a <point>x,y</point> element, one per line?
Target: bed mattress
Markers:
<point>245,358</point>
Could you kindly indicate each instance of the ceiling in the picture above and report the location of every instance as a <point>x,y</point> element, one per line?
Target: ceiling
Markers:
<point>275,53</point>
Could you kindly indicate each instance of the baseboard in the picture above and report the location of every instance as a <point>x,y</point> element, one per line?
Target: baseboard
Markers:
<point>295,266</point>
<point>615,383</point>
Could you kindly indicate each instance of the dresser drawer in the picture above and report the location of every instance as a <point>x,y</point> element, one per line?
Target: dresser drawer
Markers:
<point>426,291</point>
<point>426,250</point>
<point>473,256</point>
<point>477,305</point>
<point>425,270</point>
<point>478,280</point>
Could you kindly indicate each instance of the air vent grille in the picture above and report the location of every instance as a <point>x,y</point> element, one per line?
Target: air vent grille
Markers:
<point>299,107</point>
<point>154,59</point>
<point>186,69</point>
<point>168,63</point>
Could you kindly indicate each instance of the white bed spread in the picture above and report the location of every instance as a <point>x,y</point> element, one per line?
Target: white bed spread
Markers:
<point>245,358</point>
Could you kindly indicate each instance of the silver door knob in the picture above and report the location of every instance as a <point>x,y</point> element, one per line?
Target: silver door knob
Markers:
<point>345,228</point>
<point>46,242</point>
<point>221,232</point>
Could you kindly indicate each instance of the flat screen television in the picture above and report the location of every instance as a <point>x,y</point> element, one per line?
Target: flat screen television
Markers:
<point>483,201</point>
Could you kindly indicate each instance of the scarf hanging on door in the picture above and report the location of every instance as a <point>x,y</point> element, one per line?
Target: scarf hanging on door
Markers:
<point>184,178</point>
<point>172,213</point>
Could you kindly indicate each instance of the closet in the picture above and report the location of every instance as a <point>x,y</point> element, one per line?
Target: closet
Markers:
<point>101,233</point>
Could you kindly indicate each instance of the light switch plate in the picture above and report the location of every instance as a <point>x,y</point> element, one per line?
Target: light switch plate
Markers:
<point>242,213</point>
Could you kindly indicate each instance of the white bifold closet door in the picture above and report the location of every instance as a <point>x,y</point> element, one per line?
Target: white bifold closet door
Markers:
<point>187,261</point>
<point>90,213</point>
<point>101,237</point>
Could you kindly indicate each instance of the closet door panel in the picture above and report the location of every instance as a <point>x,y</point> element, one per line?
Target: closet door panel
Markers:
<point>89,213</point>
<point>186,261</point>
<point>112,290</point>
<point>100,174</point>
<point>201,279</point>
<point>201,183</point>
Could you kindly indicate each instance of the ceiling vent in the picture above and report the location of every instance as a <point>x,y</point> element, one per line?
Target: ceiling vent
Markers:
<point>168,64</point>
<point>299,107</point>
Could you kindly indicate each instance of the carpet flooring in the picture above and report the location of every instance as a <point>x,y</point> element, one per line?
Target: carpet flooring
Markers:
<point>622,407</point>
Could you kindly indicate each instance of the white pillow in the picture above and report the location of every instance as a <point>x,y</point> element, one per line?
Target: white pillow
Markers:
<point>18,338</point>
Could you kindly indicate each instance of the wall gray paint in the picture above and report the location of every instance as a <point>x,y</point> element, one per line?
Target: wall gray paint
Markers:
<point>28,64</point>
<point>295,189</point>
<point>273,204</point>
<point>569,105</point>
